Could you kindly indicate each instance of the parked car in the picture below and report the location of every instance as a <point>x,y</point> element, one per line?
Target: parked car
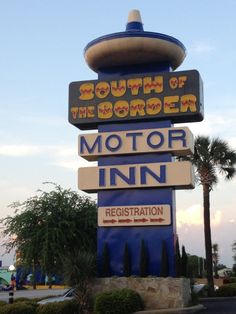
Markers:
<point>68,295</point>
<point>201,289</point>
<point>197,288</point>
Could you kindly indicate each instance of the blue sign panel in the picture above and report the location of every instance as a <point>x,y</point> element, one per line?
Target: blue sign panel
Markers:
<point>133,104</point>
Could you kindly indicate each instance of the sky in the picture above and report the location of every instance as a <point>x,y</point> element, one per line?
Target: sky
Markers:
<point>41,52</point>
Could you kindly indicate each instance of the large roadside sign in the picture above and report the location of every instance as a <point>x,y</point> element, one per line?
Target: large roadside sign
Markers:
<point>176,96</point>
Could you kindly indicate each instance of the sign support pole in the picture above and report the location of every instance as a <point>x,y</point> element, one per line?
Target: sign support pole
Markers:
<point>135,91</point>
<point>153,236</point>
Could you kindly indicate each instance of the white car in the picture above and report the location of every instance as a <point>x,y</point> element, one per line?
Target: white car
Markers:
<point>68,295</point>
<point>201,288</point>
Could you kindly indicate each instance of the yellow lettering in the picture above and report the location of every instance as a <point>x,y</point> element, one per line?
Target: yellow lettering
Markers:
<point>188,102</point>
<point>86,112</point>
<point>82,112</point>
<point>134,85</point>
<point>105,110</point>
<point>170,104</point>
<point>155,84</point>
<point>121,108</point>
<point>86,91</point>
<point>102,89</point>
<point>137,107</point>
<point>74,111</point>
<point>182,80</point>
<point>90,112</point>
<point>173,82</point>
<point>118,89</point>
<point>153,106</point>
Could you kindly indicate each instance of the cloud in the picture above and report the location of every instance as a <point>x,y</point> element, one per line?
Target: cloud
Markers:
<point>54,121</point>
<point>217,218</point>
<point>193,216</point>
<point>73,163</point>
<point>201,48</point>
<point>19,150</point>
<point>232,142</point>
<point>190,216</point>
<point>24,150</point>
<point>64,156</point>
<point>213,125</point>
<point>64,151</point>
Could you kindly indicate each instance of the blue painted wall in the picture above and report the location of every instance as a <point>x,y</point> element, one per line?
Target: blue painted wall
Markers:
<point>117,237</point>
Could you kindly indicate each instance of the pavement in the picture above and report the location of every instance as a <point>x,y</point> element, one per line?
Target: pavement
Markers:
<point>30,293</point>
<point>199,307</point>
<point>222,305</point>
<point>190,309</point>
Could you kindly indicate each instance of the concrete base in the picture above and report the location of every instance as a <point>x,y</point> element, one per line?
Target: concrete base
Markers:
<point>156,293</point>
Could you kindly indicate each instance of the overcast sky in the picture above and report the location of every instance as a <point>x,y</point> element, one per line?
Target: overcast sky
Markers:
<point>41,52</point>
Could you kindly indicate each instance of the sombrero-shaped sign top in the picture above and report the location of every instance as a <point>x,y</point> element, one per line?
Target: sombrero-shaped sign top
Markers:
<point>134,46</point>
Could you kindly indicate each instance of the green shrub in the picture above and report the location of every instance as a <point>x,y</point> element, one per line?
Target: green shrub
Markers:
<point>124,301</point>
<point>26,300</point>
<point>164,269</point>
<point>177,259</point>
<point>2,303</point>
<point>68,307</point>
<point>232,279</point>
<point>126,262</point>
<point>143,260</point>
<point>184,262</point>
<point>105,261</point>
<point>32,302</point>
<point>228,290</point>
<point>18,308</point>
<point>194,299</point>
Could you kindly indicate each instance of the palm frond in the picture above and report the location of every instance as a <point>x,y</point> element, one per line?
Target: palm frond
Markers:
<point>212,157</point>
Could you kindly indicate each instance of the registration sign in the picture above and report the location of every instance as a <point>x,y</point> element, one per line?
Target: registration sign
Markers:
<point>145,215</point>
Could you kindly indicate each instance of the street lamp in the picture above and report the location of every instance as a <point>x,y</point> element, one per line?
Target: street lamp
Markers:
<point>11,268</point>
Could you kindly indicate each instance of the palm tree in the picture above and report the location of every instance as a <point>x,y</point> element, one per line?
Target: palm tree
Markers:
<point>215,258</point>
<point>234,257</point>
<point>234,251</point>
<point>211,158</point>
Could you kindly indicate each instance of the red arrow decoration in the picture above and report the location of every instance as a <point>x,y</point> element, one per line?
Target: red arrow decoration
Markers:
<point>125,220</point>
<point>157,220</point>
<point>141,220</point>
<point>112,221</point>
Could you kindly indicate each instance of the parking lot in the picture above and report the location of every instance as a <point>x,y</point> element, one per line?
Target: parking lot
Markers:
<point>38,293</point>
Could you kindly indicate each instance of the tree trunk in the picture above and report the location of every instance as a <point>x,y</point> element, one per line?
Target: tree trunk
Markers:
<point>49,281</point>
<point>208,244</point>
<point>34,275</point>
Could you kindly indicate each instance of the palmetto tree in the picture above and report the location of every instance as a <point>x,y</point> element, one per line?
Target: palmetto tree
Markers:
<point>234,251</point>
<point>215,258</point>
<point>211,158</point>
<point>234,257</point>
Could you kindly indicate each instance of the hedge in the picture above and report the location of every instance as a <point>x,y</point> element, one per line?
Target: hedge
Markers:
<point>68,307</point>
<point>229,280</point>
<point>2,303</point>
<point>31,307</point>
<point>227,290</point>
<point>18,308</point>
<point>123,301</point>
